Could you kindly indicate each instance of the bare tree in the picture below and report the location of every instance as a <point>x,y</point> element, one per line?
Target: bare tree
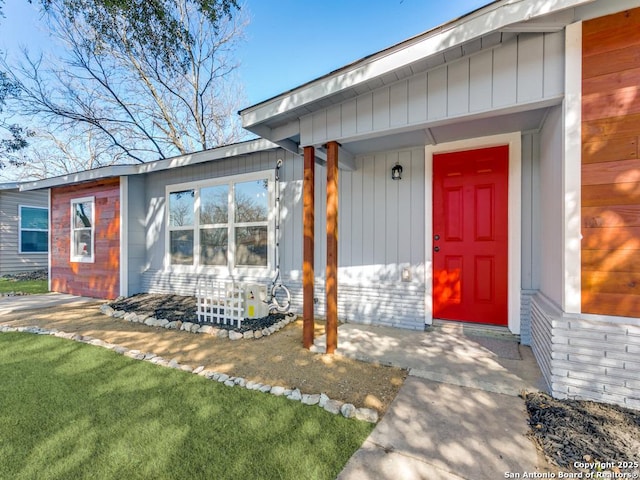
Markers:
<point>133,105</point>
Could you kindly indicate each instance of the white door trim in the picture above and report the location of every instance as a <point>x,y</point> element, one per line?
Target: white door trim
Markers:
<point>514,141</point>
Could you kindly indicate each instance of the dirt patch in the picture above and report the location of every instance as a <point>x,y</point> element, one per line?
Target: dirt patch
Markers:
<point>575,433</point>
<point>277,359</point>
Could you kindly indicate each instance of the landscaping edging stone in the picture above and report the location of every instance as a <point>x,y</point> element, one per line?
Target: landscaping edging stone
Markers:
<point>145,319</point>
<point>335,407</point>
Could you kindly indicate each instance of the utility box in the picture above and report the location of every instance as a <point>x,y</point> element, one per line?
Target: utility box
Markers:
<point>255,296</point>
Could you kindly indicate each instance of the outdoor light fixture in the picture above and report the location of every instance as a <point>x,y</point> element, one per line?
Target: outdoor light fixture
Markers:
<point>396,172</point>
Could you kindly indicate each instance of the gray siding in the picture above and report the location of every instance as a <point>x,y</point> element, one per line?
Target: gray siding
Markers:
<point>135,233</point>
<point>381,230</point>
<point>550,207</point>
<point>530,211</point>
<point>11,261</point>
<point>380,221</point>
<point>524,71</point>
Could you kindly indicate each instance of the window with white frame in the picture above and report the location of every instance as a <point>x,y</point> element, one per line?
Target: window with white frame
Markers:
<point>220,223</point>
<point>34,229</point>
<point>82,229</point>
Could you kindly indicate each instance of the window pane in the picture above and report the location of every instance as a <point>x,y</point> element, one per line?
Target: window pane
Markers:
<point>213,246</point>
<point>181,247</point>
<point>251,246</point>
<point>82,216</point>
<point>251,201</point>
<point>214,204</point>
<point>34,242</point>
<point>35,218</point>
<point>82,243</point>
<point>181,208</point>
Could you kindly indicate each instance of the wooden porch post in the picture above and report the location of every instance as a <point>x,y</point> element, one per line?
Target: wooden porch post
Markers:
<point>308,247</point>
<point>331,280</point>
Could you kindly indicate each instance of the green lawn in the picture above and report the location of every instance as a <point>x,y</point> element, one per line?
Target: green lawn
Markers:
<point>71,410</point>
<point>23,286</point>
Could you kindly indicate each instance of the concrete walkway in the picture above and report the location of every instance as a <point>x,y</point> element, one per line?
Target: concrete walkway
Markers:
<point>36,302</point>
<point>458,414</point>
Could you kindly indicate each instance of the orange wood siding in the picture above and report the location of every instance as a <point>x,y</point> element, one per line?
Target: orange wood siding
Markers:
<point>100,279</point>
<point>611,165</point>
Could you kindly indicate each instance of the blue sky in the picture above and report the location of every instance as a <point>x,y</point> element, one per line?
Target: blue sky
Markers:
<point>289,42</point>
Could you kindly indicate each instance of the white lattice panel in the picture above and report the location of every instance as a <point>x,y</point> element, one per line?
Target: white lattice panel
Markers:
<point>219,302</point>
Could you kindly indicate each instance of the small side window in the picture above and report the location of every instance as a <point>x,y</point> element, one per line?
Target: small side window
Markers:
<point>82,229</point>
<point>34,229</point>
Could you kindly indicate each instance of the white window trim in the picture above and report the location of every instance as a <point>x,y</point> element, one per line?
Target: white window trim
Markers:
<point>82,258</point>
<point>20,229</point>
<point>230,269</point>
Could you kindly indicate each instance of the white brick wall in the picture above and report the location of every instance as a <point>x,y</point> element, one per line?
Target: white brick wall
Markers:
<point>541,328</point>
<point>591,357</point>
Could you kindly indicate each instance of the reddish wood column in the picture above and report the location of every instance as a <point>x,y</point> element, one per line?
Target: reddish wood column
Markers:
<point>331,285</point>
<point>308,222</point>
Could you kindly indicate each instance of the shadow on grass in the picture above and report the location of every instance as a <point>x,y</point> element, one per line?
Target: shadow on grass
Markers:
<point>70,410</point>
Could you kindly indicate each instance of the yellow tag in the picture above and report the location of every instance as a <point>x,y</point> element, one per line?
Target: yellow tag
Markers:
<point>251,310</point>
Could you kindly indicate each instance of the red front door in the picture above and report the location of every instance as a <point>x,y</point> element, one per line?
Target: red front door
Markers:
<point>470,227</point>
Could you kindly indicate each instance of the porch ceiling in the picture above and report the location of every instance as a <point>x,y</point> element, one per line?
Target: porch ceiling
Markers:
<point>531,120</point>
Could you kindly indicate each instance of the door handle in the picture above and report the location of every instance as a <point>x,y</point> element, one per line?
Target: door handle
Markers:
<point>436,249</point>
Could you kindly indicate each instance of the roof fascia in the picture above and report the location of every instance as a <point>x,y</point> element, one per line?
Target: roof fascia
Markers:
<point>219,153</point>
<point>79,177</point>
<point>494,17</point>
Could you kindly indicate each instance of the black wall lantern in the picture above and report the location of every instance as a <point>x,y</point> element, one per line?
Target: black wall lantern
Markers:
<point>396,172</point>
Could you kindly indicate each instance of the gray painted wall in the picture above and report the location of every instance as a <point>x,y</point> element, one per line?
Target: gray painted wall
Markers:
<point>136,233</point>
<point>550,207</point>
<point>11,261</point>
<point>381,231</point>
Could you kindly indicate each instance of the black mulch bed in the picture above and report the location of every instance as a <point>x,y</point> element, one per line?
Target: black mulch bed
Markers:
<point>183,308</point>
<point>570,431</point>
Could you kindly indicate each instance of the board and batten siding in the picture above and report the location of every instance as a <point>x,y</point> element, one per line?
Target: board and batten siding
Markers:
<point>526,70</point>
<point>11,260</point>
<point>135,233</point>
<point>611,165</point>
<point>381,231</point>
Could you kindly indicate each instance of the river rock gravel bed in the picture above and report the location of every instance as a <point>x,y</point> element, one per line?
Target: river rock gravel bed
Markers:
<point>180,308</point>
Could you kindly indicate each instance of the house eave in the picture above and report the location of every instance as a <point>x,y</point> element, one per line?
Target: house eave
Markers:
<point>220,153</point>
<point>498,16</point>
